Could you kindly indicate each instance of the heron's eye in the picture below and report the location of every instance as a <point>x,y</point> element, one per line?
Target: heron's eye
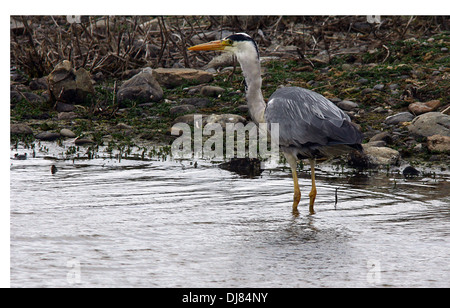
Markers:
<point>229,42</point>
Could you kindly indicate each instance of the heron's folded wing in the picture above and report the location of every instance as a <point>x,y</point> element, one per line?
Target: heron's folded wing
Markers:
<point>307,117</point>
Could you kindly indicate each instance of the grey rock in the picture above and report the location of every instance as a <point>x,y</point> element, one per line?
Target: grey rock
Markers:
<point>199,102</point>
<point>335,100</point>
<point>190,118</point>
<point>47,136</point>
<point>20,129</point>
<point>366,91</point>
<point>381,155</point>
<point>243,166</point>
<point>380,110</point>
<point>410,172</point>
<point>373,156</point>
<point>18,156</point>
<point>67,133</point>
<point>15,96</point>
<point>39,84</point>
<point>67,115</point>
<point>347,105</point>
<point>177,110</point>
<point>438,143</point>
<point>141,87</point>
<point>123,126</point>
<point>363,80</point>
<point>394,86</point>
<point>83,141</point>
<point>379,87</point>
<point>431,123</point>
<point>70,86</point>
<point>376,143</point>
<point>399,118</point>
<point>63,107</point>
<point>211,91</point>
<point>223,119</point>
<point>34,98</point>
<point>383,136</point>
<point>174,77</point>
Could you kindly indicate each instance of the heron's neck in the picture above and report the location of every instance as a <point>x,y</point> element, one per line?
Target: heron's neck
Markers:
<point>251,69</point>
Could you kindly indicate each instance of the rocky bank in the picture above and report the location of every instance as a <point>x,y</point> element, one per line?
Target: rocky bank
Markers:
<point>401,106</point>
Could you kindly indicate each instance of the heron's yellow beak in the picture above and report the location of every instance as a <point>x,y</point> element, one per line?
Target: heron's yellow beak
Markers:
<point>214,45</point>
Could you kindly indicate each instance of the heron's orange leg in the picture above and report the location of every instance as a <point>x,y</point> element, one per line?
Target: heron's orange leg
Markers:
<point>297,193</point>
<point>313,193</point>
<point>292,161</point>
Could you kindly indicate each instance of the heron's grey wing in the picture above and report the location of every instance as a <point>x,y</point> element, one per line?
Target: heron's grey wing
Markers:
<point>307,117</point>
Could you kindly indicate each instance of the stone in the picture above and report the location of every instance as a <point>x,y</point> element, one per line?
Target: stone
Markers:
<point>189,119</point>
<point>379,87</point>
<point>363,80</point>
<point>123,126</point>
<point>431,123</point>
<point>142,88</point>
<point>211,91</point>
<point>223,119</point>
<point>200,102</point>
<point>381,155</point>
<point>83,141</point>
<point>84,81</point>
<point>69,86</point>
<point>399,118</point>
<point>243,166</point>
<point>393,86</point>
<point>383,136</point>
<point>67,115</point>
<point>67,133</point>
<point>347,105</point>
<point>63,107</point>
<point>438,143</point>
<point>16,96</point>
<point>381,110</point>
<point>18,156</point>
<point>174,77</point>
<point>347,67</point>
<point>376,143</point>
<point>20,129</point>
<point>410,172</point>
<point>366,91</point>
<point>181,109</point>
<point>419,108</point>
<point>47,136</point>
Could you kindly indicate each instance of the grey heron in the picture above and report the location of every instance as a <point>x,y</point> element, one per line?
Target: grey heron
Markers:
<point>310,126</point>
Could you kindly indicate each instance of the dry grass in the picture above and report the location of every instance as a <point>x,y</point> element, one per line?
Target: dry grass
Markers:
<point>113,44</point>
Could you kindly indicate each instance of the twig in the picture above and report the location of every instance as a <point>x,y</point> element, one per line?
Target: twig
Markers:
<point>388,53</point>
<point>407,26</point>
<point>445,110</point>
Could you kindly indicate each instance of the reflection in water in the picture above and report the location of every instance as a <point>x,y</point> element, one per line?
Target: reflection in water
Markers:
<point>171,224</point>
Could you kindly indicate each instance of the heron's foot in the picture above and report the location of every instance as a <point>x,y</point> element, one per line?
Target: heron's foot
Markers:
<point>297,196</point>
<point>312,198</point>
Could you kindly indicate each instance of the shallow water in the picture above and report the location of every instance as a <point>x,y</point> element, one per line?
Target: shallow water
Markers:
<point>130,223</point>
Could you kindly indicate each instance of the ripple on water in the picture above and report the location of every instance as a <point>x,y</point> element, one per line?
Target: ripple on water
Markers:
<point>167,224</point>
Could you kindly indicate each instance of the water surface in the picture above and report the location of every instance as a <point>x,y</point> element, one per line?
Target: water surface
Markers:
<point>132,223</point>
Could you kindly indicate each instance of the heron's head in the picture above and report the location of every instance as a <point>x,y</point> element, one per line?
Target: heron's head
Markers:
<point>240,44</point>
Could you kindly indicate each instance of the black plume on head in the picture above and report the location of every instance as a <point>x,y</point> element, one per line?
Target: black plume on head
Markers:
<point>240,37</point>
